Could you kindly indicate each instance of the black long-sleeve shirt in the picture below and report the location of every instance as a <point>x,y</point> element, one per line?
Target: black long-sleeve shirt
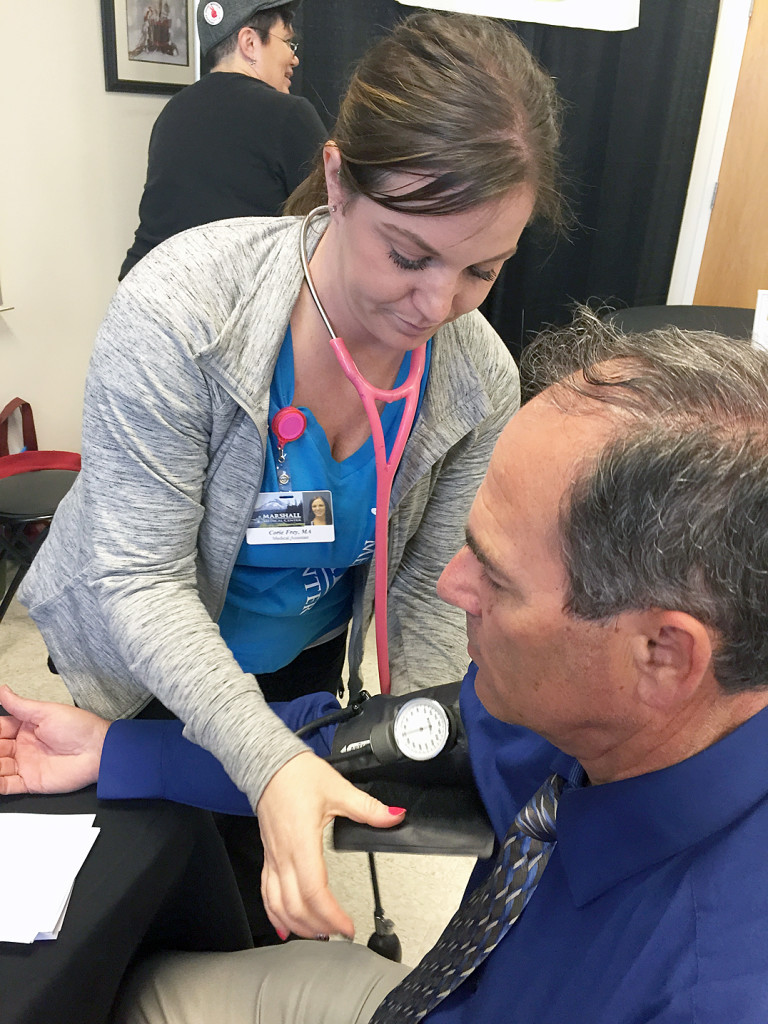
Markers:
<point>226,146</point>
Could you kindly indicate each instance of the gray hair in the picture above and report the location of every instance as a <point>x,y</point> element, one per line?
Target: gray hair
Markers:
<point>673,511</point>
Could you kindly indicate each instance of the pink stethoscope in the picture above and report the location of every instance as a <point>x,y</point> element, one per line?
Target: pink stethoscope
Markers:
<point>385,468</point>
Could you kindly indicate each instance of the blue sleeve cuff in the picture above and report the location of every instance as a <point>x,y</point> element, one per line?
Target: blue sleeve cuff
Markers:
<point>300,712</point>
<point>145,759</point>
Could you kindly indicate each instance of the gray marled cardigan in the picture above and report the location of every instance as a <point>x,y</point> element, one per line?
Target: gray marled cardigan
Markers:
<point>129,585</point>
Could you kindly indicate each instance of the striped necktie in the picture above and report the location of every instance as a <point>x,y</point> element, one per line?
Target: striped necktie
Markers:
<point>485,918</point>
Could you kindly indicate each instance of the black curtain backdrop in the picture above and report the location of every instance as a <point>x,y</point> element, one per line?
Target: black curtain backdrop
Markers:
<point>633,107</point>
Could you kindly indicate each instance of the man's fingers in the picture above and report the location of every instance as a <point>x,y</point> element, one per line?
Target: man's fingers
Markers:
<point>9,727</point>
<point>11,783</point>
<point>27,710</point>
<point>6,694</point>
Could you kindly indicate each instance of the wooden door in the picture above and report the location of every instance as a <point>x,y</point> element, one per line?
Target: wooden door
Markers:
<point>735,260</point>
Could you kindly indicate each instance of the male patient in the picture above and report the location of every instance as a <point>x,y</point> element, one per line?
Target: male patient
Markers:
<point>615,580</point>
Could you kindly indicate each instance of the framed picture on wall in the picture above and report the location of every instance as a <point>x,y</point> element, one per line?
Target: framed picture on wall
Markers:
<point>149,45</point>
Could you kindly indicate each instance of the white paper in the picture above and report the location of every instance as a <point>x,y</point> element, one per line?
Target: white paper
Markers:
<point>54,933</point>
<point>40,856</point>
<point>607,15</point>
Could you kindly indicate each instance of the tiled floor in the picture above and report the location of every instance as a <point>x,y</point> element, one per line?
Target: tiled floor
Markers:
<point>418,893</point>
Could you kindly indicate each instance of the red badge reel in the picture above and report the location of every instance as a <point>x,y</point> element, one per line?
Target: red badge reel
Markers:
<point>288,424</point>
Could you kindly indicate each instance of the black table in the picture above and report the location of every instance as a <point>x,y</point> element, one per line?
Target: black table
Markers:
<point>34,495</point>
<point>157,877</point>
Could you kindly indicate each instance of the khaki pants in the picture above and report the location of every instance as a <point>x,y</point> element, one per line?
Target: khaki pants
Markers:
<point>302,982</point>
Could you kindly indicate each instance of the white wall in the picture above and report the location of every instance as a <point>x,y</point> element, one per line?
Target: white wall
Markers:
<point>72,166</point>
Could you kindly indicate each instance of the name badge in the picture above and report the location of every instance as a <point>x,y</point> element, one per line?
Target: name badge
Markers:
<point>292,517</point>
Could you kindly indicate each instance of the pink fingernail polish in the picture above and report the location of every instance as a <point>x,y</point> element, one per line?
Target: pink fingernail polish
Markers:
<point>396,810</point>
<point>281,935</point>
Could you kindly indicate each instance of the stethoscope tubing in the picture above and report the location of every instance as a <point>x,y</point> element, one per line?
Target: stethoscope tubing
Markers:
<point>385,467</point>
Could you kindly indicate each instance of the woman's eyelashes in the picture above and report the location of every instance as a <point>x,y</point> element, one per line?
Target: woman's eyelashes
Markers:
<point>405,264</point>
<point>423,262</point>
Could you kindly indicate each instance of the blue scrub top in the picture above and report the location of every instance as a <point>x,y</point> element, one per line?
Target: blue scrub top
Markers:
<point>284,597</point>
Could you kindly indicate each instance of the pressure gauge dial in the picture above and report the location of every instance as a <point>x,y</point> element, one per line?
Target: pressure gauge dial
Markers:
<point>422,729</point>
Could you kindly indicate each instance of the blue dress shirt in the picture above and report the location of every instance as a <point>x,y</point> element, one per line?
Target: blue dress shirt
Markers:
<point>653,906</point>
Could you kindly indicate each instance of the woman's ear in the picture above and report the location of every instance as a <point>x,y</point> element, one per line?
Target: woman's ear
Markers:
<point>673,656</point>
<point>332,166</point>
<point>249,44</point>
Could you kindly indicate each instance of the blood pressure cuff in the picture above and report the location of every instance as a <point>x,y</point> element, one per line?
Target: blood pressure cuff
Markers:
<point>445,814</point>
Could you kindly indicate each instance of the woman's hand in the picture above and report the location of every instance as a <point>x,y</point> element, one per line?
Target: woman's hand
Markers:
<point>47,748</point>
<point>299,801</point>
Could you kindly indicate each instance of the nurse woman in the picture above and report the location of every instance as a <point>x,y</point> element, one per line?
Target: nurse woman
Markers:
<point>175,577</point>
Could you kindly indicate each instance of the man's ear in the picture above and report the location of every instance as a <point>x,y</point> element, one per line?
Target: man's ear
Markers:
<point>673,654</point>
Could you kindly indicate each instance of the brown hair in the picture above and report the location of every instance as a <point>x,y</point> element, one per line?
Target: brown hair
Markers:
<point>457,99</point>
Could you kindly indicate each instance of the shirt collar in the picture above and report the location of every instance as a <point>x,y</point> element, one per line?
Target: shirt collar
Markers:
<point>610,832</point>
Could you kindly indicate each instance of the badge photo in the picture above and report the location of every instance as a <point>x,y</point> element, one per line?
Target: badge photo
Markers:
<point>292,517</point>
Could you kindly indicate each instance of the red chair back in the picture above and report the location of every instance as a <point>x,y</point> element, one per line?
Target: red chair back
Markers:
<point>28,462</point>
<point>29,459</point>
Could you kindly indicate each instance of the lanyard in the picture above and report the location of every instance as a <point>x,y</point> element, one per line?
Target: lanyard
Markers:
<point>385,467</point>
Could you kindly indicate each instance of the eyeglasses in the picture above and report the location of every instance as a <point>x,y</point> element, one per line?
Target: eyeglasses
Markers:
<point>288,42</point>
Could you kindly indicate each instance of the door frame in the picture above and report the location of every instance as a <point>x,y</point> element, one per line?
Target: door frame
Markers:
<point>727,53</point>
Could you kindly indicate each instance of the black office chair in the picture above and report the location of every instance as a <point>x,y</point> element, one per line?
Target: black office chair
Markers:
<point>731,321</point>
<point>32,483</point>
